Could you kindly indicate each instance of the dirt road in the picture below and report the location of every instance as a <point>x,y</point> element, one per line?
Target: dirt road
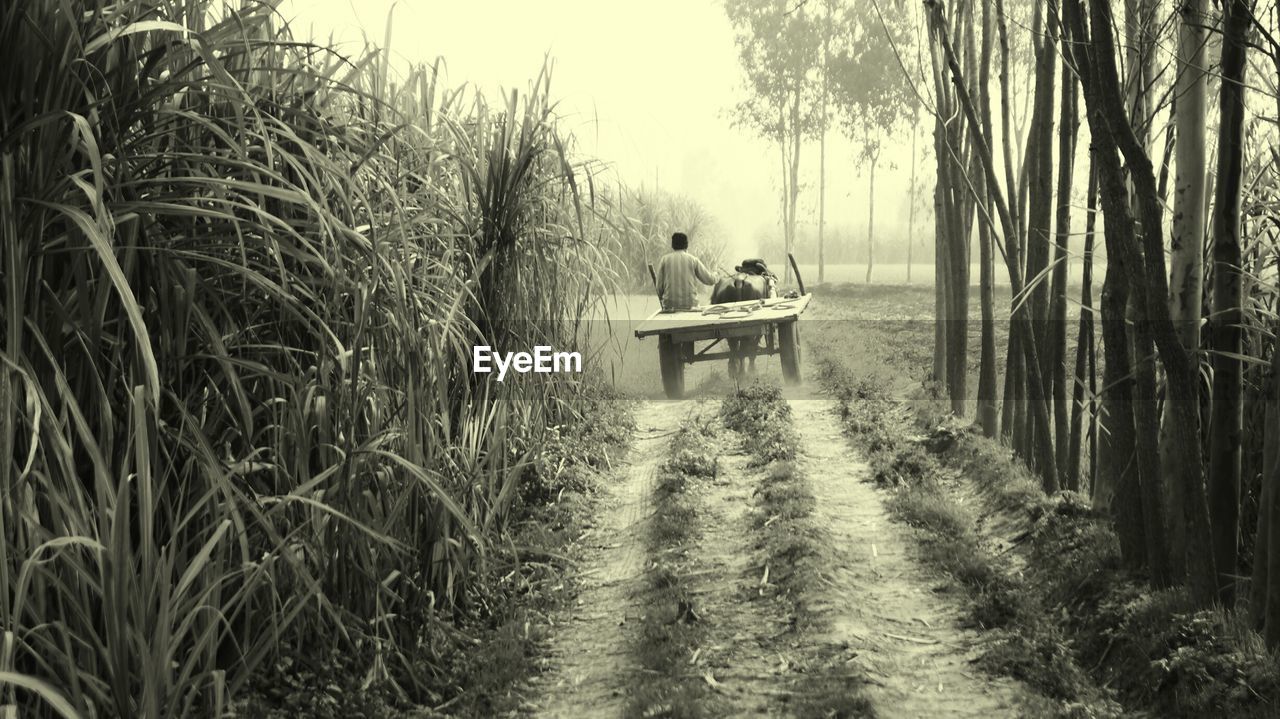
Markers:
<point>877,609</point>
<point>880,600</point>
<point>588,663</point>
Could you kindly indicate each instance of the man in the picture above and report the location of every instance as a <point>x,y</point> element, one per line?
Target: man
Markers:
<point>678,275</point>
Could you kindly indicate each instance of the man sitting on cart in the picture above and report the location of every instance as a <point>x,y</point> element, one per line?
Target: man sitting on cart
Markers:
<point>679,274</point>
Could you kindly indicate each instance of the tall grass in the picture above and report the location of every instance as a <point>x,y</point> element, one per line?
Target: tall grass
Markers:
<point>241,277</point>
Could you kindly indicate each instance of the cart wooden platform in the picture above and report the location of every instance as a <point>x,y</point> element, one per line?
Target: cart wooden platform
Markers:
<point>774,318</point>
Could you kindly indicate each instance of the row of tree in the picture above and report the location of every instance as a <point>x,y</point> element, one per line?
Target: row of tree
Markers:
<point>1152,421</point>
<point>811,67</point>
<point>1054,121</point>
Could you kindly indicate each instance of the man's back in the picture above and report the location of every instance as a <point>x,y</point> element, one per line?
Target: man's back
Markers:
<point>678,276</point>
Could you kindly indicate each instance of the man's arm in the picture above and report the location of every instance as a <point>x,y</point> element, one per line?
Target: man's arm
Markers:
<point>703,274</point>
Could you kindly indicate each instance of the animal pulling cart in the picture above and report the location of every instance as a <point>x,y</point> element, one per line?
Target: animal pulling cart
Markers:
<point>774,318</point>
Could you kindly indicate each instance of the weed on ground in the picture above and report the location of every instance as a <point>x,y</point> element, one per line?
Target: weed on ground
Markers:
<point>1068,619</point>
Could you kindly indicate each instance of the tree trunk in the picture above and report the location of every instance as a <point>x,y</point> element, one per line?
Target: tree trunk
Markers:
<point>1010,392</point>
<point>1259,587</point>
<point>822,146</point>
<point>1140,33</point>
<point>1186,257</point>
<point>1227,420</point>
<point>1265,596</point>
<point>822,199</point>
<point>1039,231</point>
<point>1271,610</point>
<point>1143,260</point>
<point>1034,298</point>
<point>1026,431</point>
<point>911,196</point>
<point>1146,421</point>
<point>790,141</point>
<point>943,228</point>
<point>1043,449</point>
<point>958,343</point>
<point>941,274</point>
<point>1084,345</point>
<point>871,214</point>
<point>786,191</point>
<point>1116,441</point>
<point>1095,420</point>
<point>988,416</point>
<point>1056,347</point>
<point>1013,410</point>
<point>1040,196</point>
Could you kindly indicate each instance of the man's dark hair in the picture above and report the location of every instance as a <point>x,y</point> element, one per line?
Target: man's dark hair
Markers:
<point>679,241</point>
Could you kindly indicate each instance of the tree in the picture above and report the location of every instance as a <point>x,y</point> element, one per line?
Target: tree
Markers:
<point>954,199</point>
<point>870,92</point>
<point>1186,257</point>
<point>779,47</point>
<point>1226,423</point>
<point>1264,599</point>
<point>829,32</point>
<point>947,68</point>
<point>988,415</point>
<point>1143,261</point>
<point>1265,602</point>
<point>1056,343</point>
<point>1085,352</point>
<point>915,189</point>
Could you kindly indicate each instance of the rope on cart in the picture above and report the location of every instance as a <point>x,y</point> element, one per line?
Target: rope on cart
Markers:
<point>726,311</point>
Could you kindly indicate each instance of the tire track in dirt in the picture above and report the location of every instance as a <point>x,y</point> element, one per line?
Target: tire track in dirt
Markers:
<point>879,600</point>
<point>876,601</point>
<point>588,663</point>
<point>589,668</point>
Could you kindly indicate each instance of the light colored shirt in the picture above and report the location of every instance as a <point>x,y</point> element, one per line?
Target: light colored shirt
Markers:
<point>678,276</point>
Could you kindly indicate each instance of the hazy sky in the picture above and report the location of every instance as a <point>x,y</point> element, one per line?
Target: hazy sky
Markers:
<point>644,86</point>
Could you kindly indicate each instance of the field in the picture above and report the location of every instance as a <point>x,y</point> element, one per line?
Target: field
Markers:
<point>888,325</point>
<point>899,317</point>
<point>921,273</point>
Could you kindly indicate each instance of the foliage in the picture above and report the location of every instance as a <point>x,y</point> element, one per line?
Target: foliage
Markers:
<point>645,220</point>
<point>242,277</point>
<point>868,85</point>
<point>1072,606</point>
<point>753,409</point>
<point>763,417</point>
<point>779,49</point>
<point>570,454</point>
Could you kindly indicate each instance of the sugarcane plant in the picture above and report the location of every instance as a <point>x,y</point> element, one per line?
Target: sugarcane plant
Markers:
<point>242,274</point>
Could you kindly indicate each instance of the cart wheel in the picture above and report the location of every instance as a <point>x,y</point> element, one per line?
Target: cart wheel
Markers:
<point>789,351</point>
<point>669,356</point>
